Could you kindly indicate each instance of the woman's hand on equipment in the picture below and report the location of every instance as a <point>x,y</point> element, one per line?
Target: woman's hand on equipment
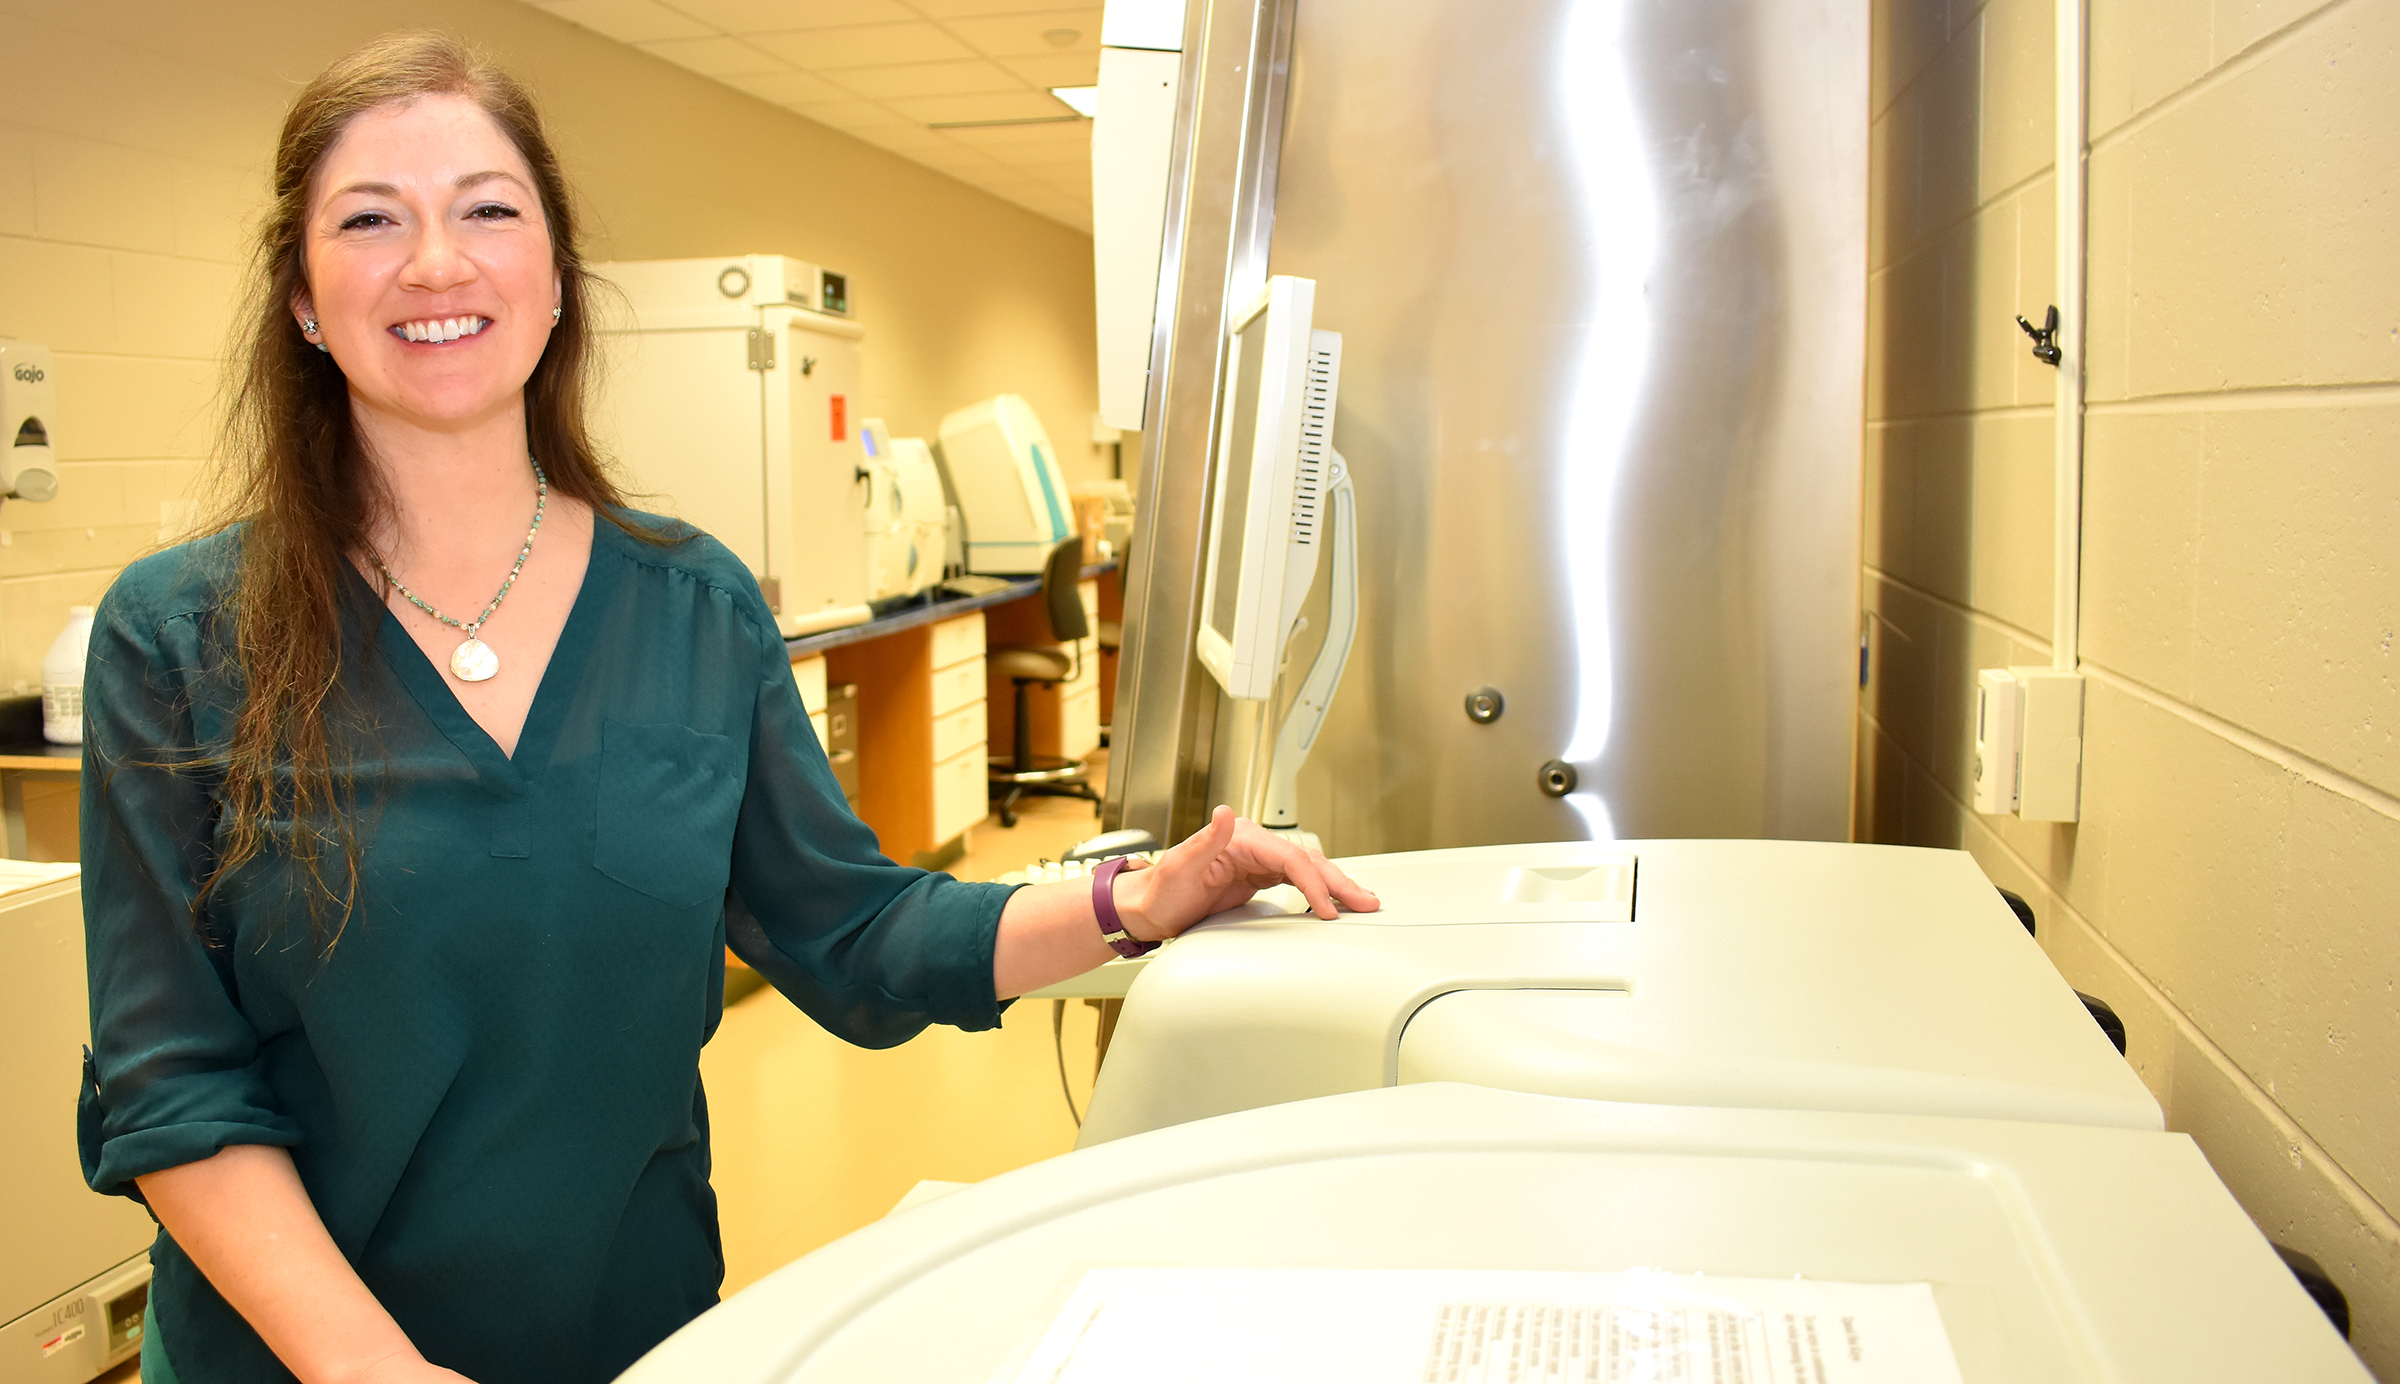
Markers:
<point>1222,866</point>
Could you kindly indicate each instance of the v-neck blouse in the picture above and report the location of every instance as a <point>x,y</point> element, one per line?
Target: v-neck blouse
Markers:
<point>490,1086</point>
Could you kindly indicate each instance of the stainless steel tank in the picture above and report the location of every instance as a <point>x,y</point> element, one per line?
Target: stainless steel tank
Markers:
<point>1600,271</point>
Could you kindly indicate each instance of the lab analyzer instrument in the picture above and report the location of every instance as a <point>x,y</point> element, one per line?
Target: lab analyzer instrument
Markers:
<point>1792,974</point>
<point>2048,1252</point>
<point>907,522</point>
<point>730,403</point>
<point>1012,498</point>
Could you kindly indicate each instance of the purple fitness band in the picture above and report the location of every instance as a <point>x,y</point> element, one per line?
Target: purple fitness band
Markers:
<point>1104,905</point>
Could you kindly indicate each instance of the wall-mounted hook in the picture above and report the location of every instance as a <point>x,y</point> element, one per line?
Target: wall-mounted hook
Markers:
<point>2045,337</point>
<point>808,364</point>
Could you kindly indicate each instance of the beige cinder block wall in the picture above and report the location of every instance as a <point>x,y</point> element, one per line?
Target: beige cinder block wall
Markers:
<point>2234,885</point>
<point>133,144</point>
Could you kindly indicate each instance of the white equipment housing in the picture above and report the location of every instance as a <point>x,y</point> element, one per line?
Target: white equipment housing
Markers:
<point>2054,1252</point>
<point>907,523</point>
<point>28,421</point>
<point>77,1268</point>
<point>1791,974</point>
<point>1012,494</point>
<point>1274,458</point>
<point>732,390</point>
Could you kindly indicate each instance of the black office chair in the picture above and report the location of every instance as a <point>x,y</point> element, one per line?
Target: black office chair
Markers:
<point>1024,771</point>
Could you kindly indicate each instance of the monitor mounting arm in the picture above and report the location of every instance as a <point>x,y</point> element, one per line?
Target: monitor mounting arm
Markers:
<point>1307,716</point>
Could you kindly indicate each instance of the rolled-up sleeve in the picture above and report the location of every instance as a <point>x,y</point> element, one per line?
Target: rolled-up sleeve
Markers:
<point>872,950</point>
<point>174,1073</point>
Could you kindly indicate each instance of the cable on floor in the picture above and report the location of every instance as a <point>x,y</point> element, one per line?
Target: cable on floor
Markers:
<point>1058,1044</point>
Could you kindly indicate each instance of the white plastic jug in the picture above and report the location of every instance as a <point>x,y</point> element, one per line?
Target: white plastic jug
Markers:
<point>62,679</point>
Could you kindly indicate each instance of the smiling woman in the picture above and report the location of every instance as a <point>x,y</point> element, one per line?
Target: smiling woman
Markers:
<point>470,1140</point>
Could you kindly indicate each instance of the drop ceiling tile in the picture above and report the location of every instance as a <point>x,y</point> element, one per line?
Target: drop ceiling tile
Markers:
<point>1066,139</point>
<point>787,88</point>
<point>960,9</point>
<point>905,140</point>
<point>1057,69</point>
<point>1028,35</point>
<point>992,105</point>
<point>768,16</point>
<point>627,21</point>
<point>853,115</point>
<point>927,79</point>
<point>863,45</point>
<point>714,57</point>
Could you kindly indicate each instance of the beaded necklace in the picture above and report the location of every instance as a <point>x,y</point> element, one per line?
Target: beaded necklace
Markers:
<point>473,660</point>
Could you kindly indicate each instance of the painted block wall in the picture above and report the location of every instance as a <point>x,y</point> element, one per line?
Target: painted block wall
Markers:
<point>134,137</point>
<point>2233,888</point>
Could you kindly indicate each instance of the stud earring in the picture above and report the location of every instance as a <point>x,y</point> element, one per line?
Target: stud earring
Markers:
<point>308,328</point>
<point>555,314</point>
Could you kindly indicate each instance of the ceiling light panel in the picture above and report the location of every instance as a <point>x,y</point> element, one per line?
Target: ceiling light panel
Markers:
<point>627,21</point>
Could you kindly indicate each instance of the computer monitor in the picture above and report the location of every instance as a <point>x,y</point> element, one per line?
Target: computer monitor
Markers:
<point>1273,458</point>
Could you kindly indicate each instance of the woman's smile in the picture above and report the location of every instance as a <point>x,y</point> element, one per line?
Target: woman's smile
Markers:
<point>440,331</point>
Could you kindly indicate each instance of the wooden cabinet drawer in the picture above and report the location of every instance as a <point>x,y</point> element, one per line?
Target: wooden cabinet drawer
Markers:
<point>957,640</point>
<point>809,675</point>
<point>960,795</point>
<point>957,685</point>
<point>959,730</point>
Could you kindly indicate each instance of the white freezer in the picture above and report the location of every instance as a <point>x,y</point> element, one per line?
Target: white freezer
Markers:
<point>2055,1253</point>
<point>731,400</point>
<point>1800,974</point>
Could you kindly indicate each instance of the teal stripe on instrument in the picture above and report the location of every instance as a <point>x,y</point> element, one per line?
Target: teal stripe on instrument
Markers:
<point>1058,517</point>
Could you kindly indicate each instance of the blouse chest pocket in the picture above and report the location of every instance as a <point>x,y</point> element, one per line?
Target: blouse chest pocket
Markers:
<point>668,799</point>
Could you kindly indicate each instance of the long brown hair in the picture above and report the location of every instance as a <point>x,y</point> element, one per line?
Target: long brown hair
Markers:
<point>305,494</point>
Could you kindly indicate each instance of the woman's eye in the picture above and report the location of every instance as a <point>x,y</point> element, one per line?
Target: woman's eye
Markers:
<point>365,220</point>
<point>493,211</point>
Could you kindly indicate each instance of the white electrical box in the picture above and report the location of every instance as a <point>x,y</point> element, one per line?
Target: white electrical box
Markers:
<point>2050,745</point>
<point>28,421</point>
<point>2029,743</point>
<point>1997,712</point>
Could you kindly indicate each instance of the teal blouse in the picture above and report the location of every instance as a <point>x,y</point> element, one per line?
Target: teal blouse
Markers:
<point>491,1085</point>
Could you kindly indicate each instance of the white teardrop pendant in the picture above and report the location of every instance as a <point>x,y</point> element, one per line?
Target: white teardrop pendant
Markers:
<point>474,661</point>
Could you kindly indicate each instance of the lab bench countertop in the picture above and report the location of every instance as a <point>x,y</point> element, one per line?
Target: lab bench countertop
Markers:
<point>931,612</point>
